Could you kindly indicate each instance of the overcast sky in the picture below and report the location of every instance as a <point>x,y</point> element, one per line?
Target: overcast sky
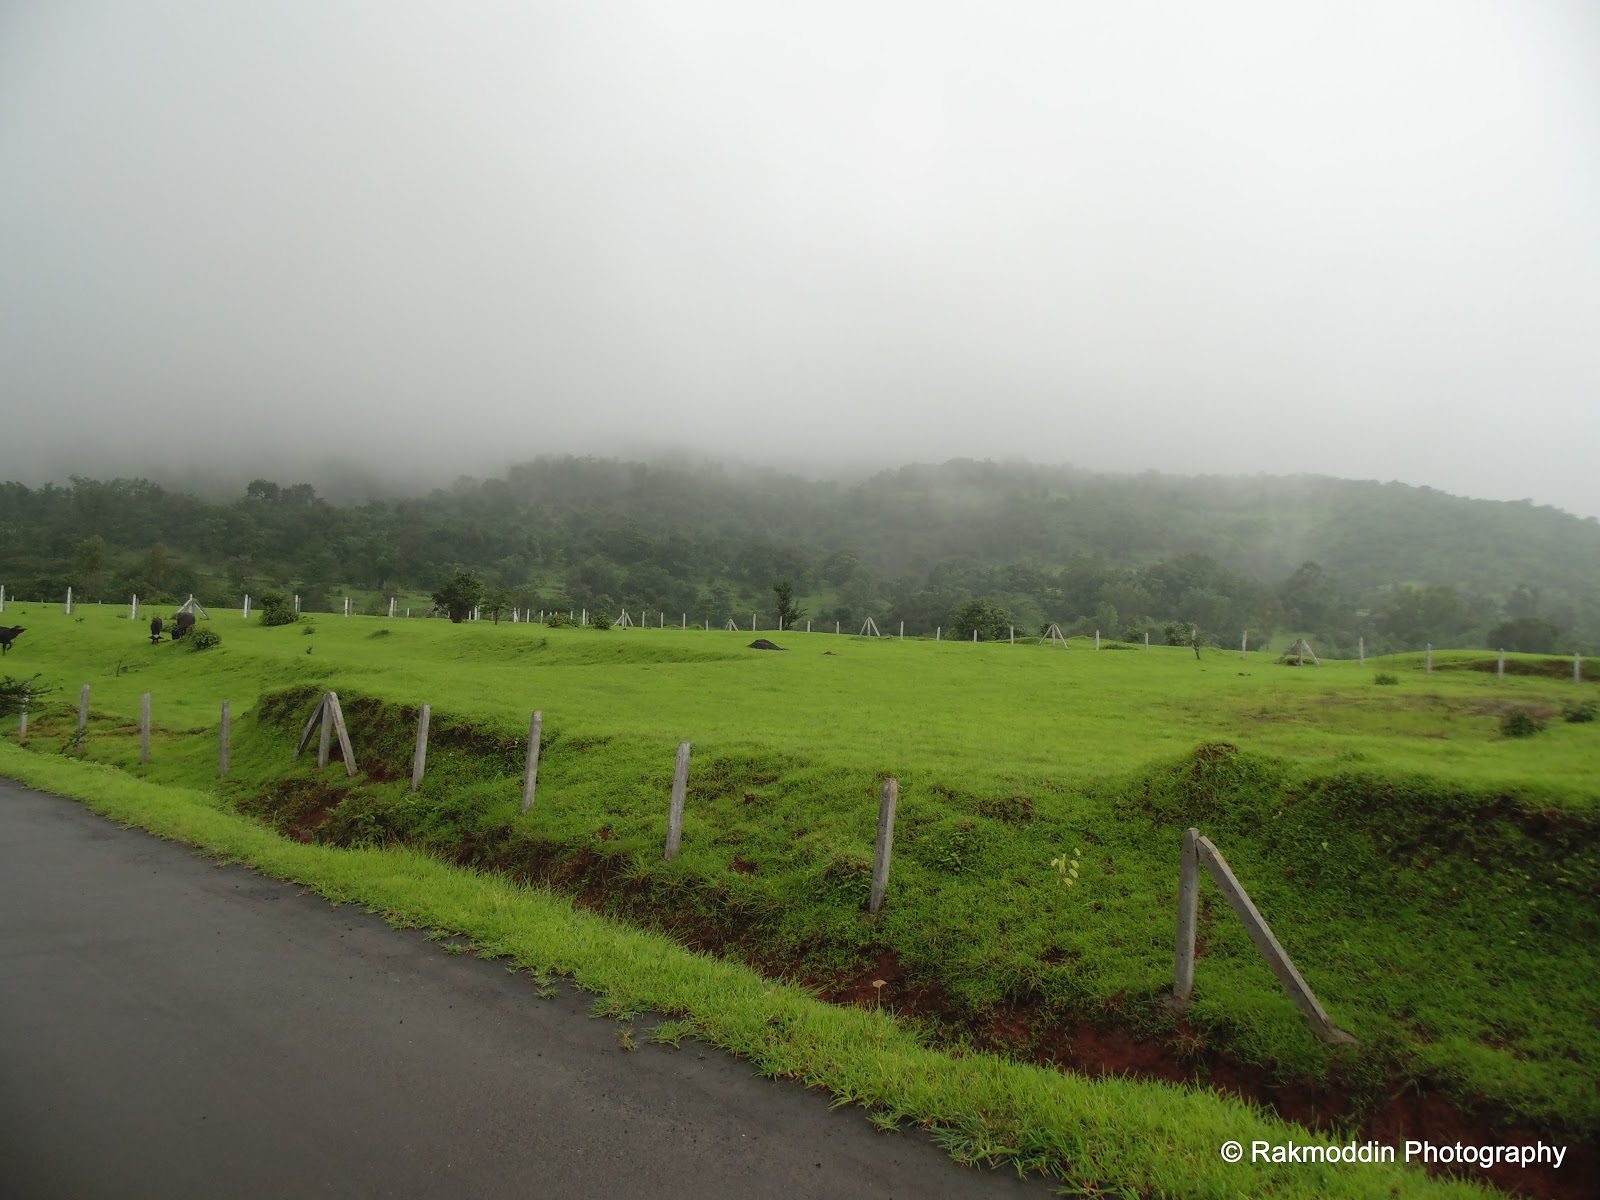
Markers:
<point>1361,239</point>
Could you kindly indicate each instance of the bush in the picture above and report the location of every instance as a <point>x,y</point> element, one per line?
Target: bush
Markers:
<point>1580,712</point>
<point>1384,679</point>
<point>986,617</point>
<point>277,609</point>
<point>1520,723</point>
<point>203,638</point>
<point>600,619</point>
<point>557,620</point>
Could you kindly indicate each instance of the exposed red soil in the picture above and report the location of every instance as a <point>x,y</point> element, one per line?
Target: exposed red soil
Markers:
<point>601,882</point>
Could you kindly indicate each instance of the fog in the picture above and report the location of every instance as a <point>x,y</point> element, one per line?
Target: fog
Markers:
<point>1359,239</point>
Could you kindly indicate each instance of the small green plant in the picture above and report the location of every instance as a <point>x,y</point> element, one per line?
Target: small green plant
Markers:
<point>1384,679</point>
<point>1520,723</point>
<point>625,1038</point>
<point>204,638</point>
<point>1580,712</point>
<point>600,619</point>
<point>672,1031</point>
<point>308,629</point>
<point>1067,868</point>
<point>559,620</point>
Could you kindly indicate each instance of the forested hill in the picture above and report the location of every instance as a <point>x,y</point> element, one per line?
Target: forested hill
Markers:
<point>1336,558</point>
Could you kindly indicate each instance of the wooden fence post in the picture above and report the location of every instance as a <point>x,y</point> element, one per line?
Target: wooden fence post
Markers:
<point>680,788</point>
<point>880,855</point>
<point>530,771</point>
<point>419,756</point>
<point>144,729</point>
<point>222,741</point>
<point>1188,901</point>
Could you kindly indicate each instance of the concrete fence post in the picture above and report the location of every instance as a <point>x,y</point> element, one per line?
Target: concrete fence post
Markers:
<point>419,756</point>
<point>222,741</point>
<point>530,771</point>
<point>887,802</point>
<point>680,789</point>
<point>1188,903</point>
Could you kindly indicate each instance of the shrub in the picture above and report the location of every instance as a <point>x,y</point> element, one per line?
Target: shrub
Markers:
<point>1384,679</point>
<point>203,638</point>
<point>986,617</point>
<point>600,619</point>
<point>1580,712</point>
<point>557,620</point>
<point>1520,723</point>
<point>277,609</point>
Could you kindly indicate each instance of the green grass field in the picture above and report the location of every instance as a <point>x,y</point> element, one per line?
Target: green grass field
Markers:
<point>1435,881</point>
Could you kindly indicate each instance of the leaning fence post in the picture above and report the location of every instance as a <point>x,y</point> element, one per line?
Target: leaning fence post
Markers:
<point>83,712</point>
<point>344,734</point>
<point>222,741</point>
<point>1188,899</point>
<point>530,770</point>
<point>327,732</point>
<point>880,854</point>
<point>680,788</point>
<point>1267,943</point>
<point>144,729</point>
<point>419,757</point>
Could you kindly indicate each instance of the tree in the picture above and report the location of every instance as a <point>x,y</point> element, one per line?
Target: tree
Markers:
<point>983,616</point>
<point>459,595</point>
<point>1527,635</point>
<point>87,560</point>
<point>495,601</point>
<point>789,613</point>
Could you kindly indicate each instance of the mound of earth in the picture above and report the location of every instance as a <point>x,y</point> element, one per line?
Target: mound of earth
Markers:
<point>763,644</point>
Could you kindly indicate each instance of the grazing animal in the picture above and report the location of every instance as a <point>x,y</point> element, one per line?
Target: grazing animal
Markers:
<point>9,635</point>
<point>182,625</point>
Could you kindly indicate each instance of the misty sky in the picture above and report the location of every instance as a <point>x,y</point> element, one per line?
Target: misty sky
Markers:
<point>1361,239</point>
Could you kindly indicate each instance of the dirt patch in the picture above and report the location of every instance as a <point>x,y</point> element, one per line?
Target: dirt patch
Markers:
<point>763,644</point>
<point>740,866</point>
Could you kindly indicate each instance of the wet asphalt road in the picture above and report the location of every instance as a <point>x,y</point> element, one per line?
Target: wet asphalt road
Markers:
<point>170,1028</point>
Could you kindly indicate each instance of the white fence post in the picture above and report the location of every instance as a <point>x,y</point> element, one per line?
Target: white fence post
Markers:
<point>530,773</point>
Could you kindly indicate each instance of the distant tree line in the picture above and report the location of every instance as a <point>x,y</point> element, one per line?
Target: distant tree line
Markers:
<point>1124,555</point>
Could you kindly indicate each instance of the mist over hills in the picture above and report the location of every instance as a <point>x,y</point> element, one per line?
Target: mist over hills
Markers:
<point>1341,559</point>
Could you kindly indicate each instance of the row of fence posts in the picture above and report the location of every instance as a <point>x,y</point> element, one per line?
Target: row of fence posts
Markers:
<point>327,718</point>
<point>80,734</point>
<point>626,622</point>
<point>332,717</point>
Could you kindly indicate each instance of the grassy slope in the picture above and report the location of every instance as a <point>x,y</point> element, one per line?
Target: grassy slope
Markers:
<point>1436,921</point>
<point>1146,1139</point>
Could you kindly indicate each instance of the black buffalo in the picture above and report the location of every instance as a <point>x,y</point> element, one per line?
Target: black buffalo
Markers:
<point>9,635</point>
